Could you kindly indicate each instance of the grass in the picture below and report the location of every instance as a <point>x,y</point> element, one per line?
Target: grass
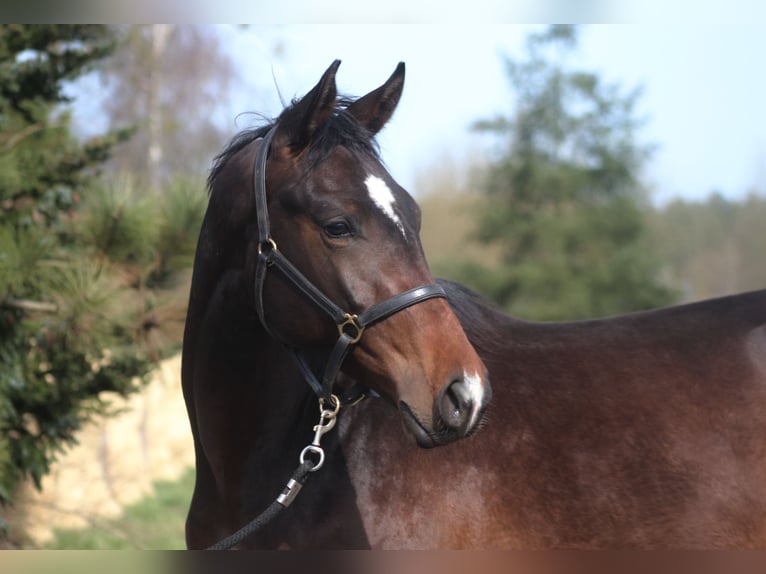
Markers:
<point>154,523</point>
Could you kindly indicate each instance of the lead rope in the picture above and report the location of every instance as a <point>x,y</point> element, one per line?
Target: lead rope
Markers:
<point>327,420</point>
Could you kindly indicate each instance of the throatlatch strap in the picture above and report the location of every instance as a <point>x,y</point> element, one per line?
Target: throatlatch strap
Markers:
<point>307,373</point>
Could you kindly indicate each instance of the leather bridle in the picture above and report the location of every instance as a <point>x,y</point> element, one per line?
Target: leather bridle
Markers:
<point>350,326</point>
<point>350,330</point>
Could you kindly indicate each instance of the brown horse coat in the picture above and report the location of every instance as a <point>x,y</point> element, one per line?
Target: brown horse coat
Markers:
<point>641,431</point>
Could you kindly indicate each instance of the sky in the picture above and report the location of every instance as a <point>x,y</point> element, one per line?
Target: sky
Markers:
<point>701,69</point>
<point>704,89</point>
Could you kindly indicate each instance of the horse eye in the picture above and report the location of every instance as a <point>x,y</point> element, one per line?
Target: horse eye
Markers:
<point>337,229</point>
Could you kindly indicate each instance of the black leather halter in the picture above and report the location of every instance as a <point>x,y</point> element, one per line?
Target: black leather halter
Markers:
<point>350,326</point>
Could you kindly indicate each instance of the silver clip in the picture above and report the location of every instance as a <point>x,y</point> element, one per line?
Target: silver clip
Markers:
<point>327,420</point>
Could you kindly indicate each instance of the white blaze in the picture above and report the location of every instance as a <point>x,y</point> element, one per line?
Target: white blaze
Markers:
<point>476,391</point>
<point>381,195</point>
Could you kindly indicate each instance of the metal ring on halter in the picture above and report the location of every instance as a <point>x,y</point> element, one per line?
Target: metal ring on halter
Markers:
<point>351,321</point>
<point>270,242</point>
<point>334,401</point>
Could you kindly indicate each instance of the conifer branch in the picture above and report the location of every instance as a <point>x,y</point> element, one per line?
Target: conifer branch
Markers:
<point>27,305</point>
<point>17,138</point>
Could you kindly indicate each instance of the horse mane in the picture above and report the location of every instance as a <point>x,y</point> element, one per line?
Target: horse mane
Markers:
<point>340,129</point>
<point>484,322</point>
<point>235,145</point>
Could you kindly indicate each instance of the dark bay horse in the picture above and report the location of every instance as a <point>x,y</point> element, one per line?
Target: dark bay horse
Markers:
<point>309,261</point>
<point>641,431</point>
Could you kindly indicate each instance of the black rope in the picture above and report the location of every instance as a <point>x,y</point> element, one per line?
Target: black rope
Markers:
<point>283,501</point>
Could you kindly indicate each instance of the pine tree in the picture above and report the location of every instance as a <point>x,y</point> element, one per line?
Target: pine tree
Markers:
<point>564,195</point>
<point>66,332</point>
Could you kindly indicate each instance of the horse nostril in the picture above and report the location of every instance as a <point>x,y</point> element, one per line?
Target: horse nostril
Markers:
<point>456,406</point>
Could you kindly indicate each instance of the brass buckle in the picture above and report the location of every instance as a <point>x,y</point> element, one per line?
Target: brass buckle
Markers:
<point>350,321</point>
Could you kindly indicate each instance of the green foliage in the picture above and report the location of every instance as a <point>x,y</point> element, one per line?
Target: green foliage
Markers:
<point>705,248</point>
<point>117,223</point>
<point>90,295</point>
<point>42,167</point>
<point>148,241</point>
<point>154,233</point>
<point>564,195</point>
<point>182,208</point>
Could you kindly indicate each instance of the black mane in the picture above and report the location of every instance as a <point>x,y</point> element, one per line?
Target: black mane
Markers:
<point>341,128</point>
<point>484,322</point>
<point>237,143</point>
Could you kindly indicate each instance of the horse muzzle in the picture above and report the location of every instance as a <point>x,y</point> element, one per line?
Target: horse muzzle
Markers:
<point>458,411</point>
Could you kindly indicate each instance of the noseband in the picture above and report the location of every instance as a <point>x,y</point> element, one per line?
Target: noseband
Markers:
<point>350,326</point>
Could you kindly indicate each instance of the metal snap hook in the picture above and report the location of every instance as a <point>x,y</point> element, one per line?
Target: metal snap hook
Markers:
<point>327,421</point>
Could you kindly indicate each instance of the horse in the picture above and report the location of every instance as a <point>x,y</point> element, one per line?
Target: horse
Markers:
<point>642,431</point>
<point>308,262</point>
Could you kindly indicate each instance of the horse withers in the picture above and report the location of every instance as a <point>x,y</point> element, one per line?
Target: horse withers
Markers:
<point>309,261</point>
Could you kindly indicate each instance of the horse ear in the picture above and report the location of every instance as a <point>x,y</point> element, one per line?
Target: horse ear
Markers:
<point>299,122</point>
<point>377,107</point>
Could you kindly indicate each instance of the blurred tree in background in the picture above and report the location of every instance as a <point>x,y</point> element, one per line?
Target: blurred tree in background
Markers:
<point>564,197</point>
<point>89,287</point>
<point>713,247</point>
<point>163,81</point>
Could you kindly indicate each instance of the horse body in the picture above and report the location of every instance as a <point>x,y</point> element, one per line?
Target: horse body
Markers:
<point>641,431</point>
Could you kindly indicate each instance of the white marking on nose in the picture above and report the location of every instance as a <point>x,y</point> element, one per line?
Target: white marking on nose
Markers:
<point>381,195</point>
<point>476,392</point>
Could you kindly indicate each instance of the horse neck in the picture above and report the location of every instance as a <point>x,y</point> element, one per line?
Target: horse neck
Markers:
<point>229,358</point>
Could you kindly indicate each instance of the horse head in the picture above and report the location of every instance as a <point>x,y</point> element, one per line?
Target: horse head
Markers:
<point>336,219</point>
